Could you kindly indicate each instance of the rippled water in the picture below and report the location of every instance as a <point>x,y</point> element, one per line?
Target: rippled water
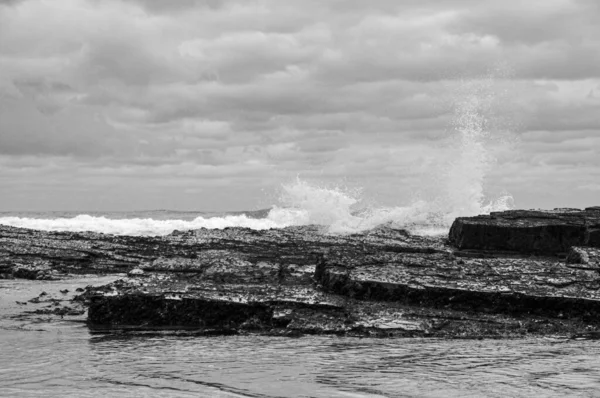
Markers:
<point>65,358</point>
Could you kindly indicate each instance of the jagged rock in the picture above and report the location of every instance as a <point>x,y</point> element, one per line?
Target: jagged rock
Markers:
<point>298,280</point>
<point>369,294</point>
<point>80,253</point>
<point>530,231</point>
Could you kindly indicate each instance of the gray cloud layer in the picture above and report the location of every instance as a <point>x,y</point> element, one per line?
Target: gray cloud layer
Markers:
<point>196,101</point>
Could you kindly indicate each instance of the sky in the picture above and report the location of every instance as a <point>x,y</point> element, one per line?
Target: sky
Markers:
<point>212,105</point>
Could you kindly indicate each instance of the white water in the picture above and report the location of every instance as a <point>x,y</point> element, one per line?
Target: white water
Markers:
<point>135,226</point>
<point>341,210</point>
<point>462,192</point>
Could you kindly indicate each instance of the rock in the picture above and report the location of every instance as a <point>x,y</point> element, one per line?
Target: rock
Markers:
<point>136,272</point>
<point>226,291</point>
<point>584,257</point>
<point>34,254</point>
<point>285,284</point>
<point>528,231</point>
<point>40,270</point>
<point>298,280</point>
<point>65,253</point>
<point>511,286</point>
<point>578,255</point>
<point>62,311</point>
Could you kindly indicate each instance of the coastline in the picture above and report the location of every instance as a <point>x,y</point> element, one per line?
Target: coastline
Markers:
<point>506,275</point>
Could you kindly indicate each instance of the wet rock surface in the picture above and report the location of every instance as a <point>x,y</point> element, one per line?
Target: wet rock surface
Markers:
<point>529,231</point>
<point>298,280</point>
<point>584,257</point>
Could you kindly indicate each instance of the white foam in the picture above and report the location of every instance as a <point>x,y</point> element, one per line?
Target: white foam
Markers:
<point>136,226</point>
<point>340,210</point>
<point>461,194</point>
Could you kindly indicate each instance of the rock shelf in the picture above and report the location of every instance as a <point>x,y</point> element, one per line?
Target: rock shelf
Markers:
<point>529,231</point>
<point>510,274</point>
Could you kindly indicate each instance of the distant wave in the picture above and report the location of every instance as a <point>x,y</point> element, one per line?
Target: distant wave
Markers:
<point>135,226</point>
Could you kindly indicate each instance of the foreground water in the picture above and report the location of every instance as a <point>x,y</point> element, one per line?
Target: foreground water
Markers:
<point>44,357</point>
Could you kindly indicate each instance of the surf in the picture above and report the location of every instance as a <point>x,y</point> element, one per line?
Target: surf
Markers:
<point>460,191</point>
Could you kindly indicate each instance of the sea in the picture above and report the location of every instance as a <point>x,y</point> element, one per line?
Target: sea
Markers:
<point>43,356</point>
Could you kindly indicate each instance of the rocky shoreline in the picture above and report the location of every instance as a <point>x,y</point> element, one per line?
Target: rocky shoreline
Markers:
<point>510,274</point>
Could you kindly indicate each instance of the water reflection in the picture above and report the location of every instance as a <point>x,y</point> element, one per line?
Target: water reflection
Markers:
<point>64,358</point>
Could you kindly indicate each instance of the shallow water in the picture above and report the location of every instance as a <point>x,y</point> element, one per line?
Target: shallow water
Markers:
<point>46,358</point>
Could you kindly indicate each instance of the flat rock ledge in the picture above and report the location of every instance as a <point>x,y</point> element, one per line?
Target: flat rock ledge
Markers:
<point>511,274</point>
<point>529,231</point>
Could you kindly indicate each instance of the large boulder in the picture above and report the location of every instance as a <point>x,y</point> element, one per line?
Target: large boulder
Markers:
<point>548,232</point>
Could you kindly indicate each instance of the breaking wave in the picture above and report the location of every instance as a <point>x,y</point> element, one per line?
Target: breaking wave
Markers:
<point>135,226</point>
<point>342,210</point>
<point>461,192</point>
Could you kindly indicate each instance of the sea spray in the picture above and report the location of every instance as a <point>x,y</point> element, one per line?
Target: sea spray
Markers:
<point>461,191</point>
<point>464,193</point>
<point>317,205</point>
<point>341,210</point>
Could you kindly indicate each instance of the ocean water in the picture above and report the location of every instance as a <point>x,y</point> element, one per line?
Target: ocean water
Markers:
<point>43,357</point>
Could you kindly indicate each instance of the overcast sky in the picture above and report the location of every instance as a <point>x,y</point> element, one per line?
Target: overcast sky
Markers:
<point>208,104</point>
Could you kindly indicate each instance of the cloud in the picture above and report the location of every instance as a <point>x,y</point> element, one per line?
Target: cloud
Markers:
<point>258,91</point>
<point>590,187</point>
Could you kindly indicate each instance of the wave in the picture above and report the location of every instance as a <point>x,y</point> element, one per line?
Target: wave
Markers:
<point>136,226</point>
<point>460,193</point>
<point>301,203</point>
